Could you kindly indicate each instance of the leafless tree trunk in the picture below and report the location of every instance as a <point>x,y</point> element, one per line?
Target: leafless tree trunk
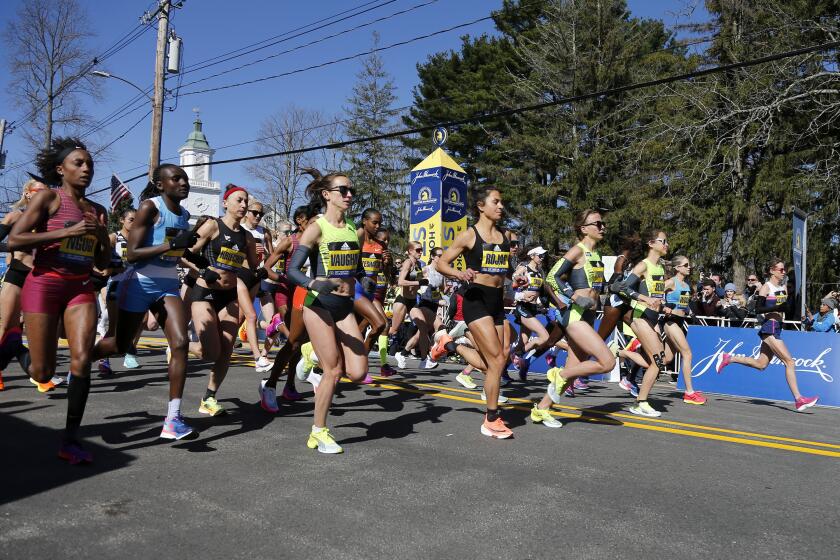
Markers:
<point>48,62</point>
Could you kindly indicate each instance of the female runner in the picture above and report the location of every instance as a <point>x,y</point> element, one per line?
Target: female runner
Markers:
<point>409,281</point>
<point>157,241</point>
<point>228,247</point>
<point>771,301</point>
<point>645,285</point>
<point>383,281</point>
<point>576,282</point>
<point>365,305</point>
<point>250,285</point>
<point>70,236</point>
<point>530,278</point>
<point>486,250</point>
<point>677,298</point>
<point>332,245</point>
<point>11,346</point>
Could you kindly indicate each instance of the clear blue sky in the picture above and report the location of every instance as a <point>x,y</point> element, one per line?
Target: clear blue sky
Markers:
<point>212,27</point>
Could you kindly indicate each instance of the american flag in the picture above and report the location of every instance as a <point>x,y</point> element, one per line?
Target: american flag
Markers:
<point>118,192</point>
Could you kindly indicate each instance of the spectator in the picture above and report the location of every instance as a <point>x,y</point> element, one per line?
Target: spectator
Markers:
<point>732,305</point>
<point>751,290</point>
<point>824,320</point>
<point>719,291</point>
<point>706,300</point>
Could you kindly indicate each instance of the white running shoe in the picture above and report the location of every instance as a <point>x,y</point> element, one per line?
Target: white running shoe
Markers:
<point>400,360</point>
<point>429,364</point>
<point>262,365</point>
<point>300,370</point>
<point>314,379</point>
<point>502,399</point>
<point>58,380</point>
<point>642,408</point>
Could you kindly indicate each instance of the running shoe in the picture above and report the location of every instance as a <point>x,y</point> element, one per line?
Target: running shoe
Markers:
<point>274,325</point>
<point>367,380</point>
<point>268,398</point>
<point>386,371</point>
<point>805,402</point>
<point>43,387</point>
<point>550,359</point>
<point>642,408</point>
<point>464,379</point>
<point>105,368</point>
<point>429,363</point>
<point>400,360</point>
<point>629,386</point>
<point>439,350</point>
<point>321,439</point>
<point>2,385</point>
<point>580,385</point>
<point>130,362</point>
<point>243,332</point>
<point>723,360</point>
<point>73,453</point>
<point>58,380</point>
<point>495,429</point>
<point>524,368</point>
<point>557,384</point>
<point>175,429</point>
<point>694,398</point>
<point>502,399</point>
<point>307,352</point>
<point>544,417</point>
<point>211,406</point>
<point>263,365</point>
<point>314,379</point>
<point>290,394</point>
<point>570,391</point>
<point>530,354</point>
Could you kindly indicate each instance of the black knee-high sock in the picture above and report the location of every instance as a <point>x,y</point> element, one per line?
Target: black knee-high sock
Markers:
<point>77,394</point>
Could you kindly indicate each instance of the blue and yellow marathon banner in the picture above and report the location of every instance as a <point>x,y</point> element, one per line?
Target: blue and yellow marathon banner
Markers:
<point>438,203</point>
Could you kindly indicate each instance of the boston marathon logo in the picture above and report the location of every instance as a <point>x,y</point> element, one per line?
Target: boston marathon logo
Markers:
<point>454,205</point>
<point>344,258</point>
<point>425,202</point>
<point>813,365</point>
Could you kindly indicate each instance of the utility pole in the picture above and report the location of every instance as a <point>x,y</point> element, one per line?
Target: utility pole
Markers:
<point>2,137</point>
<point>160,73</point>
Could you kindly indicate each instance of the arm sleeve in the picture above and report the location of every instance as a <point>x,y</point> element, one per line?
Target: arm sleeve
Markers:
<point>555,277</point>
<point>629,287</point>
<point>762,307</point>
<point>299,258</point>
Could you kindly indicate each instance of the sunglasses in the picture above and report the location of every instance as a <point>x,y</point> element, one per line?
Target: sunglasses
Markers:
<point>344,190</point>
<point>779,269</point>
<point>285,232</point>
<point>663,241</point>
<point>598,224</point>
<point>752,279</point>
<point>257,213</point>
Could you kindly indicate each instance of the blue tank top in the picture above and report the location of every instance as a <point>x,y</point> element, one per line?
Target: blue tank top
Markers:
<point>167,226</point>
<point>680,297</point>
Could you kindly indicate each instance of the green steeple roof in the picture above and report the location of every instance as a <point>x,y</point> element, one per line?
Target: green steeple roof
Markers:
<point>196,140</point>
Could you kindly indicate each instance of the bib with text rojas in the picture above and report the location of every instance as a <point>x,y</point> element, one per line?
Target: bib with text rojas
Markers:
<point>494,260</point>
<point>343,259</point>
<point>78,249</point>
<point>172,255</point>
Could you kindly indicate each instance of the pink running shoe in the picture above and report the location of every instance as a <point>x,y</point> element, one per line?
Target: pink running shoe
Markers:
<point>580,385</point>
<point>550,359</point>
<point>723,360</point>
<point>290,395</point>
<point>274,325</point>
<point>367,380</point>
<point>387,371</point>
<point>805,402</point>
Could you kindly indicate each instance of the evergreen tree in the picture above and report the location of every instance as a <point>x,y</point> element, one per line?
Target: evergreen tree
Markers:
<point>376,167</point>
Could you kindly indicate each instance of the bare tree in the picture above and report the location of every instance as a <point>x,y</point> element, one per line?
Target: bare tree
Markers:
<point>292,128</point>
<point>48,62</point>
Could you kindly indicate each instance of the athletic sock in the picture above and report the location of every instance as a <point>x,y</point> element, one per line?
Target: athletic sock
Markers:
<point>383,350</point>
<point>77,394</point>
<point>209,393</point>
<point>492,415</point>
<point>174,409</point>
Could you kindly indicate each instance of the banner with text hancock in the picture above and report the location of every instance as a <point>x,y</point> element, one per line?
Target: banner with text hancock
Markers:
<point>817,358</point>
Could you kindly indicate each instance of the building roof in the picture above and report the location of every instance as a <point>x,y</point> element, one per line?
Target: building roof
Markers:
<point>196,140</point>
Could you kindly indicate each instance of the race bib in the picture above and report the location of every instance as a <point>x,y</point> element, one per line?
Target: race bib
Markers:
<point>230,258</point>
<point>494,260</point>
<point>343,259</point>
<point>172,255</point>
<point>78,249</point>
<point>657,286</point>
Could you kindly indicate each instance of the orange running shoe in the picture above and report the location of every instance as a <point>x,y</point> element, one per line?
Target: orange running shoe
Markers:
<point>2,386</point>
<point>495,429</point>
<point>439,350</point>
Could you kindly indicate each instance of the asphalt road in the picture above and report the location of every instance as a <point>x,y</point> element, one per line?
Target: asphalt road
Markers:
<point>734,478</point>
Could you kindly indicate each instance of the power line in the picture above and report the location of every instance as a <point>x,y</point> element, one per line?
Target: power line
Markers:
<point>132,127</point>
<point>534,107</point>
<point>342,59</point>
<point>311,43</point>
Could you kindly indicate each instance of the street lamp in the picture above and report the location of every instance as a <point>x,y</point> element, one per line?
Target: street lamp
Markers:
<point>103,74</point>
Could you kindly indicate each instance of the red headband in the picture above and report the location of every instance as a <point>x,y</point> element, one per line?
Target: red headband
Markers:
<point>232,190</point>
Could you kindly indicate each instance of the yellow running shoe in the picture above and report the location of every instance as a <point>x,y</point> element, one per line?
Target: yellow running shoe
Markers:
<point>243,332</point>
<point>211,406</point>
<point>43,387</point>
<point>307,352</point>
<point>321,439</point>
<point>544,417</point>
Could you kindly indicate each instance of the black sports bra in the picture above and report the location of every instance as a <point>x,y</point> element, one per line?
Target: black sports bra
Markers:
<point>489,258</point>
